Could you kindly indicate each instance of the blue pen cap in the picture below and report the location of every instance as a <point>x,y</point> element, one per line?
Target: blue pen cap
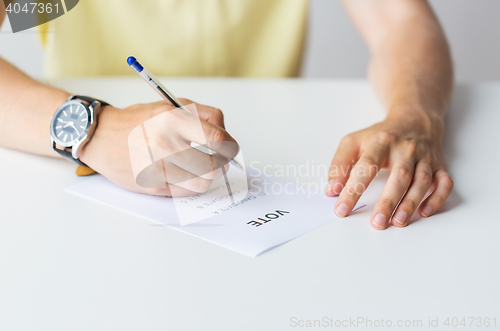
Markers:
<point>132,61</point>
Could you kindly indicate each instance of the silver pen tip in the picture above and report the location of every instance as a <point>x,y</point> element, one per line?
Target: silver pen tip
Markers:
<point>236,164</point>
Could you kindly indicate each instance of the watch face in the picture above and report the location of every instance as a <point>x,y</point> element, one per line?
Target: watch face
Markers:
<point>70,123</point>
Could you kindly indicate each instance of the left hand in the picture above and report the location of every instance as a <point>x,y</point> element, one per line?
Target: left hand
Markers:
<point>407,144</point>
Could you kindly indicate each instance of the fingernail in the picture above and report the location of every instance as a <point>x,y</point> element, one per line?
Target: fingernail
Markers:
<point>342,210</point>
<point>427,211</point>
<point>400,217</point>
<point>379,221</point>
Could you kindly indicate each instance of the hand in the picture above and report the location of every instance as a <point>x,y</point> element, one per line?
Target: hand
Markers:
<point>410,146</point>
<point>191,171</point>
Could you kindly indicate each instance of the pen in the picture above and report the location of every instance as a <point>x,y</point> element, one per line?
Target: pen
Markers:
<point>163,91</point>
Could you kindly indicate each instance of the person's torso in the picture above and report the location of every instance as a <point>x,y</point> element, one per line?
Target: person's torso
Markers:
<point>260,38</point>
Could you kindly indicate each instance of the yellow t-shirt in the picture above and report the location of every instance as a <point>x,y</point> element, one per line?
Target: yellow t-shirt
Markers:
<point>258,38</point>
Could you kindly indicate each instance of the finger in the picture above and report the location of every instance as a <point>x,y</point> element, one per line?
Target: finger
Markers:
<point>398,182</point>
<point>162,172</point>
<point>174,175</point>
<point>173,131</point>
<point>176,191</point>
<point>362,174</point>
<point>212,136</point>
<point>421,182</point>
<point>210,114</point>
<point>186,101</point>
<point>191,128</point>
<point>343,160</point>
<point>444,186</point>
<point>199,163</point>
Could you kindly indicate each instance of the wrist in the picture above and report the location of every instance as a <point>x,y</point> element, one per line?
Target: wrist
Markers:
<point>97,143</point>
<point>104,112</point>
<point>99,113</point>
<point>418,118</point>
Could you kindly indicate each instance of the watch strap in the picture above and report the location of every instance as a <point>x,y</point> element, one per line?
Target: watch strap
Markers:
<point>89,99</point>
<point>69,156</point>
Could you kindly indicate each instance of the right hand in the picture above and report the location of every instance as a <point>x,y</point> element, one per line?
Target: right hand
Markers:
<point>190,173</point>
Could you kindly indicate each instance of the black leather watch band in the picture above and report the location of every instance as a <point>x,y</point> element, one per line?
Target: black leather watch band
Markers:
<point>69,156</point>
<point>89,100</point>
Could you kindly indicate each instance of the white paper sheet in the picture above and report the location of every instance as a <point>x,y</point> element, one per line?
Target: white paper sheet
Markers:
<point>220,196</point>
<point>273,212</point>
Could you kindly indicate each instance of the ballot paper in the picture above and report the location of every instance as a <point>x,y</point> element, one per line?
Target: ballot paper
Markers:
<point>271,212</point>
<point>223,194</point>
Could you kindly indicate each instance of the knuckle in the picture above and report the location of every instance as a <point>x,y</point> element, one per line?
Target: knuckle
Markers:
<point>448,182</point>
<point>387,204</point>
<point>347,139</point>
<point>404,175</point>
<point>409,146</point>
<point>410,205</point>
<point>427,158</point>
<point>366,166</point>
<point>424,177</point>
<point>217,134</point>
<point>384,137</point>
<point>354,191</point>
<point>218,113</point>
<point>349,193</point>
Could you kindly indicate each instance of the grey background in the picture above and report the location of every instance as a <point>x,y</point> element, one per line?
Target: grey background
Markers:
<point>335,49</point>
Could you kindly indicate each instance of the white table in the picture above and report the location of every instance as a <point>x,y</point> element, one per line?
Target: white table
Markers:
<point>67,263</point>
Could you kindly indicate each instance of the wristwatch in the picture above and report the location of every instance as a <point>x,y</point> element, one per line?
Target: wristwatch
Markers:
<point>73,124</point>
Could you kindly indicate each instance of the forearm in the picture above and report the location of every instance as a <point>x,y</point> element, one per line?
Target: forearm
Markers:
<point>26,108</point>
<point>411,69</point>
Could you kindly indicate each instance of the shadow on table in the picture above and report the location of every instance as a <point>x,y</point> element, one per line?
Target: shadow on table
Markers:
<point>453,201</point>
<point>455,120</point>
